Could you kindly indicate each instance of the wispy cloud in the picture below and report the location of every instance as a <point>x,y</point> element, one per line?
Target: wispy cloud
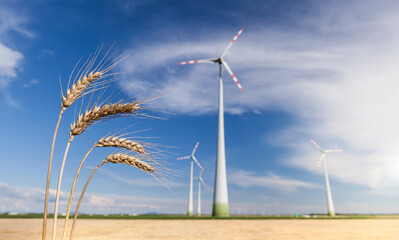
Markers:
<point>31,83</point>
<point>46,53</point>
<point>11,20</point>
<point>9,100</point>
<point>130,7</point>
<point>270,180</point>
<point>112,203</point>
<point>105,202</point>
<point>145,182</point>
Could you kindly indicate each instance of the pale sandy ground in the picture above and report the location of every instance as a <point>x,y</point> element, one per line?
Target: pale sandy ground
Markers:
<point>27,229</point>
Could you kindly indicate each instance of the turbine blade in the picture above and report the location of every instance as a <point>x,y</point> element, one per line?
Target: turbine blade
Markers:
<point>200,178</point>
<point>196,161</point>
<point>317,145</point>
<point>321,159</point>
<point>333,150</point>
<point>231,43</point>
<point>232,75</point>
<point>197,61</point>
<point>195,148</point>
<point>202,170</point>
<point>182,158</point>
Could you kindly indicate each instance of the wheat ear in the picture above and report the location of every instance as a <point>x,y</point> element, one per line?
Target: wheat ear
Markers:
<point>85,120</point>
<point>89,118</point>
<point>121,142</point>
<point>113,158</point>
<point>103,142</point>
<point>78,88</point>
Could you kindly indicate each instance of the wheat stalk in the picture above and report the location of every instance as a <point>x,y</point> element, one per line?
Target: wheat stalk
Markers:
<point>72,94</point>
<point>113,158</point>
<point>103,142</point>
<point>85,120</point>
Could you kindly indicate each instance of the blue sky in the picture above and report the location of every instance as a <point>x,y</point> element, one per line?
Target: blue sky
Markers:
<point>326,71</point>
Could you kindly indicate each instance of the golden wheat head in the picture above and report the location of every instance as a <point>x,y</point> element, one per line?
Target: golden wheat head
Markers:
<point>129,160</point>
<point>96,113</point>
<point>78,88</point>
<point>121,142</point>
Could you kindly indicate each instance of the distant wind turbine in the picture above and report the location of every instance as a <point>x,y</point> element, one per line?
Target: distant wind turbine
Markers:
<point>220,197</point>
<point>200,181</point>
<point>190,194</point>
<point>330,204</point>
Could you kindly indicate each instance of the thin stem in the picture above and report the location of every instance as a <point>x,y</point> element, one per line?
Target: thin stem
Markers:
<point>44,231</point>
<point>73,188</point>
<point>80,200</point>
<point>57,196</point>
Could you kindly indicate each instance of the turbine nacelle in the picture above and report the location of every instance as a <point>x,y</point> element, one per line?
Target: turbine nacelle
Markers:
<point>192,157</point>
<point>323,152</point>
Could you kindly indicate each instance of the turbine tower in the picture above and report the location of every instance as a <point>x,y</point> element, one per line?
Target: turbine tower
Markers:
<point>220,196</point>
<point>200,181</point>
<point>330,204</point>
<point>190,194</point>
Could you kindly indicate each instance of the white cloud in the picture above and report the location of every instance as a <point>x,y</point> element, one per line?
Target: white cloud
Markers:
<point>336,74</point>
<point>9,62</point>
<point>270,180</point>
<point>27,199</point>
<point>99,201</point>
<point>10,59</point>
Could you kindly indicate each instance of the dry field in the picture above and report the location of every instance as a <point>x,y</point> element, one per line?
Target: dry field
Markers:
<point>356,229</point>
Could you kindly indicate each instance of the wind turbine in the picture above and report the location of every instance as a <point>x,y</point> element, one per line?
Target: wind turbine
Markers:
<point>190,194</point>
<point>330,204</point>
<point>200,180</point>
<point>220,196</point>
